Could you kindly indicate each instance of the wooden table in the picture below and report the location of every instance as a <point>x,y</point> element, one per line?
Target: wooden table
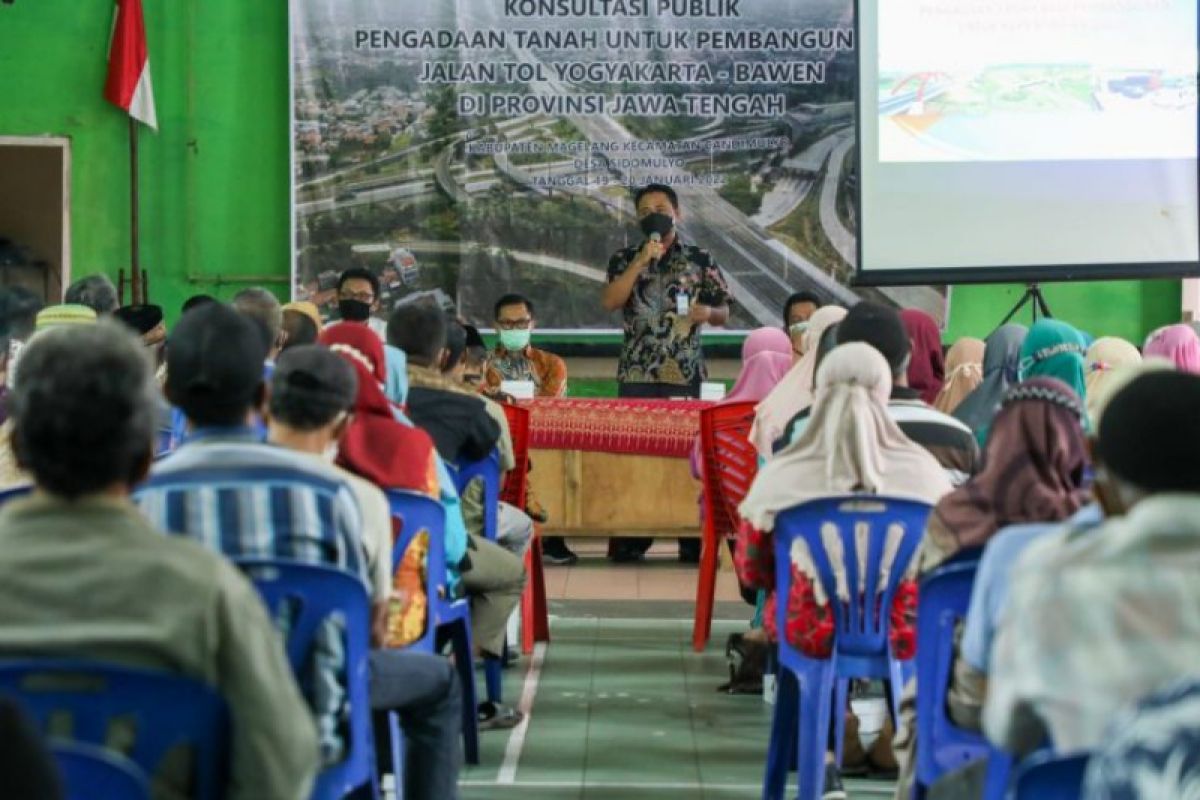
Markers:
<point>615,467</point>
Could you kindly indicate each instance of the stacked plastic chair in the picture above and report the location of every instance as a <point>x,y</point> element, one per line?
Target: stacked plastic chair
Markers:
<point>728,464</point>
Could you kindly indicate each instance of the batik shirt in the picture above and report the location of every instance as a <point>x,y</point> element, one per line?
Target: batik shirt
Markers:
<point>547,371</point>
<point>661,345</point>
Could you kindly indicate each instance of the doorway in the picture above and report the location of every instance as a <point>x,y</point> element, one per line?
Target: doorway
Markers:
<point>35,214</point>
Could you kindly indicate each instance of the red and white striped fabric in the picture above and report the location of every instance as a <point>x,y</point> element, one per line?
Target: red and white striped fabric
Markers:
<point>128,85</point>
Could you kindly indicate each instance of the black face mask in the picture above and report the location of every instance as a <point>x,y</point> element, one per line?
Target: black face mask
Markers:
<point>662,224</point>
<point>354,310</point>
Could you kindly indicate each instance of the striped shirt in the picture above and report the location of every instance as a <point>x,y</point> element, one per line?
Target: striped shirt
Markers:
<point>947,440</point>
<point>245,499</point>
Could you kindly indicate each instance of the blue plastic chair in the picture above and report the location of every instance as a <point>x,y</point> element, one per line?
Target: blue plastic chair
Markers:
<point>449,620</point>
<point>942,746</point>
<point>306,595</point>
<point>861,648</point>
<point>1046,776</point>
<point>164,710</point>
<point>89,772</point>
<point>488,471</point>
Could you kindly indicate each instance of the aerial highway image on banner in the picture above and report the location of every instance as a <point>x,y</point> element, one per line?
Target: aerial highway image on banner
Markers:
<point>463,150</point>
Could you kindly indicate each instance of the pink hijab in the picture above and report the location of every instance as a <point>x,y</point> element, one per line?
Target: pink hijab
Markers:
<point>766,358</point>
<point>926,368</point>
<point>1178,344</point>
<point>794,393</point>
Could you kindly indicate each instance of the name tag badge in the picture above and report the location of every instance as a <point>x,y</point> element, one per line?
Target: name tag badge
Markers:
<point>712,391</point>
<point>681,304</point>
<point>521,390</point>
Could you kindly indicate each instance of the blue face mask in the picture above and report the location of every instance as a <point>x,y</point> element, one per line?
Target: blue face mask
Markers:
<point>515,340</point>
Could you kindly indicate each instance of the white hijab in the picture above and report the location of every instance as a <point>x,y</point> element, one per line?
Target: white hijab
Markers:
<point>794,393</point>
<point>851,445</point>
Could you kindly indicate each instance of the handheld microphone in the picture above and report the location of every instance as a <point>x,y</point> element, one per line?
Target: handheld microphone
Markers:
<point>655,237</point>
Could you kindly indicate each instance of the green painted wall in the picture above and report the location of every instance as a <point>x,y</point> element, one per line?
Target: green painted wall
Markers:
<point>215,179</point>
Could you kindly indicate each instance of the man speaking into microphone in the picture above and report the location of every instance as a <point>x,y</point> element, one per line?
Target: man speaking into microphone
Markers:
<point>667,290</point>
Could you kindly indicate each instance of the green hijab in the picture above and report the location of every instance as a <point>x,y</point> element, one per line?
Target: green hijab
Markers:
<point>1054,349</point>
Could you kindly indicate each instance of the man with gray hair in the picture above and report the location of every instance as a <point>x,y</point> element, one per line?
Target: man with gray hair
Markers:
<point>261,306</point>
<point>94,291</point>
<point>84,574</point>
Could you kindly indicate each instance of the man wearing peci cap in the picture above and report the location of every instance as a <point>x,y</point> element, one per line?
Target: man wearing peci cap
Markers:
<point>1097,620</point>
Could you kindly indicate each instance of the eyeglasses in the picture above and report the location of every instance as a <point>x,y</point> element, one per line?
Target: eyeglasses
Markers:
<point>362,297</point>
<point>513,324</point>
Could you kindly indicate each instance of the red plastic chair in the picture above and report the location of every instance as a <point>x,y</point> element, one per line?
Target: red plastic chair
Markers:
<point>535,618</point>
<point>728,464</point>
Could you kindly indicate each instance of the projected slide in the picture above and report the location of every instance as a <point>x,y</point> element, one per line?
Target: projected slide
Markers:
<point>1027,139</point>
<point>1022,80</point>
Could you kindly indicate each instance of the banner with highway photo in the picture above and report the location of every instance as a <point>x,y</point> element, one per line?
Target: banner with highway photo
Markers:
<point>461,150</point>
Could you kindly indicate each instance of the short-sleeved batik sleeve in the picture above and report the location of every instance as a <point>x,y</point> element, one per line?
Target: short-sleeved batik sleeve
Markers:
<point>714,289</point>
<point>618,264</point>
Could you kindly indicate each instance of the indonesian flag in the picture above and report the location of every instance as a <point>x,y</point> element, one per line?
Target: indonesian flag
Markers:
<point>128,84</point>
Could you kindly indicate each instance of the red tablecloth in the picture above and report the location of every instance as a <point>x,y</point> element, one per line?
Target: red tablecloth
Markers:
<point>615,425</point>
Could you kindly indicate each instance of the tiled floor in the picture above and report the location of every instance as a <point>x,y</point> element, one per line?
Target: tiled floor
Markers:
<point>659,577</point>
<point>620,706</point>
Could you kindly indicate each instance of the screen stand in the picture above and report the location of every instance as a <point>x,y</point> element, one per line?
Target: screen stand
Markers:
<point>1033,295</point>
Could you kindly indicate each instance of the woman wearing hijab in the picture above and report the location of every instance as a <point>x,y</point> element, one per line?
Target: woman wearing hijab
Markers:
<point>1179,344</point>
<point>1033,477</point>
<point>794,393</point>
<point>964,373</point>
<point>766,358</point>
<point>851,445</point>
<point>1104,358</point>
<point>1033,471</point>
<point>1001,365</point>
<point>1054,349</point>
<point>926,365</point>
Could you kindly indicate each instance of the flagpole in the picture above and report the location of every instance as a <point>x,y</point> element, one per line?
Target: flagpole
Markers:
<point>136,276</point>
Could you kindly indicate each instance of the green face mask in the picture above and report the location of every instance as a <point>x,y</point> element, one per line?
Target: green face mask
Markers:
<point>515,339</point>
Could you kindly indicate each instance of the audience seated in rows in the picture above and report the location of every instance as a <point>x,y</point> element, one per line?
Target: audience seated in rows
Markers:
<point>463,431</point>
<point>1032,480</point>
<point>85,575</point>
<point>1096,621</point>
<point>851,444</point>
<point>947,439</point>
<point>316,408</point>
